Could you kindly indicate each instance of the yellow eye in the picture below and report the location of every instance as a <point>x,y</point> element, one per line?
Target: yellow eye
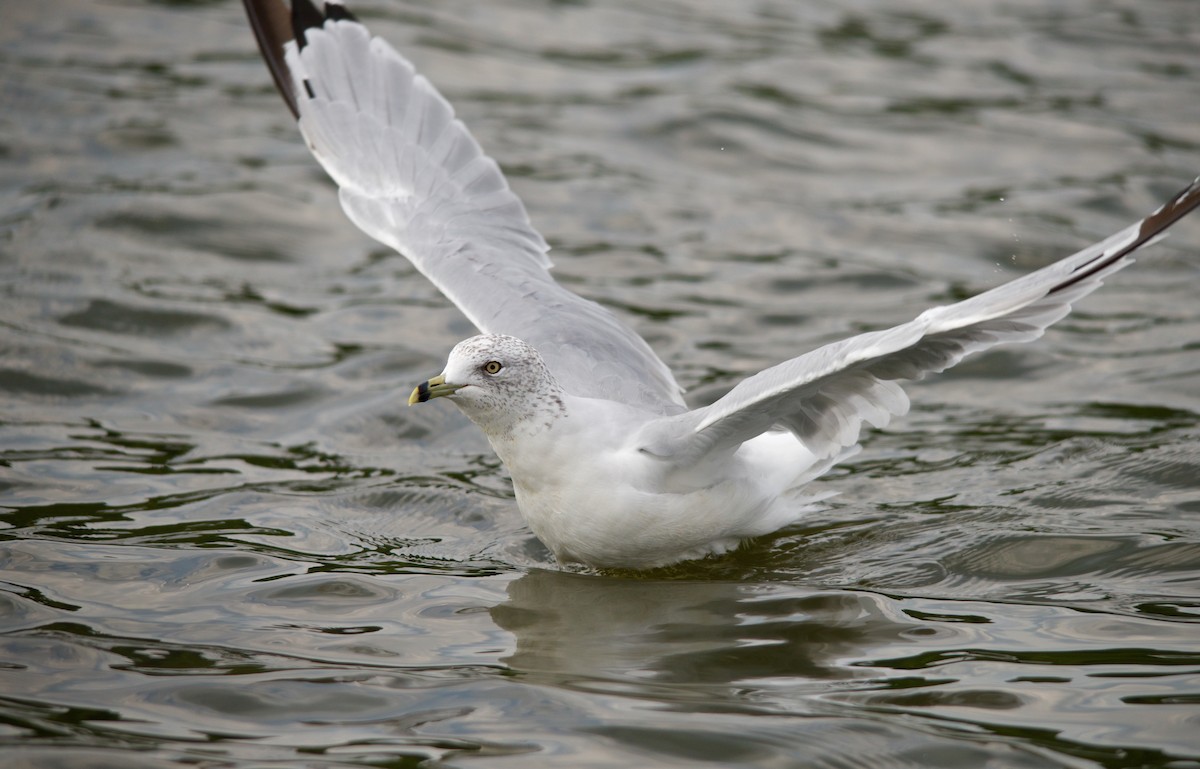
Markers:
<point>492,367</point>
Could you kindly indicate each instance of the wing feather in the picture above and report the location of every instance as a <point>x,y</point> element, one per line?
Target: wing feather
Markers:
<point>411,176</point>
<point>825,396</point>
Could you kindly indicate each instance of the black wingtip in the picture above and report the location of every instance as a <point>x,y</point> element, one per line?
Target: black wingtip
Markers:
<point>304,17</point>
<point>338,12</point>
<point>272,27</point>
<point>1184,202</point>
<point>1180,205</point>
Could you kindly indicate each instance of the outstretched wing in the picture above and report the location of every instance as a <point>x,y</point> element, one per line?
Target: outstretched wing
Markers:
<point>412,176</point>
<point>825,396</point>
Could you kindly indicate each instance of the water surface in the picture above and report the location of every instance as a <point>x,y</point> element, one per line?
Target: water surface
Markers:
<point>228,543</point>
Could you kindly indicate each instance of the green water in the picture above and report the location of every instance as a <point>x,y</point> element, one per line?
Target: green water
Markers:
<point>227,542</point>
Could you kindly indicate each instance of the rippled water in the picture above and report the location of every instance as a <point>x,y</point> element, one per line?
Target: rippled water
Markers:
<point>227,542</point>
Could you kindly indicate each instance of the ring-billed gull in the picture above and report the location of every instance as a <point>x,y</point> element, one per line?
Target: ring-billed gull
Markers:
<point>609,465</point>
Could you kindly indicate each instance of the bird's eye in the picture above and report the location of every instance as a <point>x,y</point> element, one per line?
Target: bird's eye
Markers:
<point>492,367</point>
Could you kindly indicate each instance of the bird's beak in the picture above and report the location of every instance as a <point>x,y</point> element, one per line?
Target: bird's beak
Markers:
<point>434,388</point>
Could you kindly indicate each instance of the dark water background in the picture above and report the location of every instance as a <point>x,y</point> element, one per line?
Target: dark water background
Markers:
<point>227,542</point>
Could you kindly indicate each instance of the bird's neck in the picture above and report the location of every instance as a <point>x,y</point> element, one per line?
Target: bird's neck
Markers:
<point>510,429</point>
<point>534,444</point>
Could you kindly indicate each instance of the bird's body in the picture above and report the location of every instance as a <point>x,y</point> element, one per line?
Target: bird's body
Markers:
<point>609,466</point>
<point>624,507</point>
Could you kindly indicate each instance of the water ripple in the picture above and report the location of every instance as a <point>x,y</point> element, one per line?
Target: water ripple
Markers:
<point>225,541</point>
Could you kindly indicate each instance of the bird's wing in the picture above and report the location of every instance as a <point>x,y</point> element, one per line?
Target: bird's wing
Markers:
<point>411,176</point>
<point>825,396</point>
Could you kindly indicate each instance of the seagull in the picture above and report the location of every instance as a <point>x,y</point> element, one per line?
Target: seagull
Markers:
<point>609,465</point>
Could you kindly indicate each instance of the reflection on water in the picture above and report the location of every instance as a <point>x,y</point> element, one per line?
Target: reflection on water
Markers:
<point>226,542</point>
<point>681,632</point>
<point>728,648</point>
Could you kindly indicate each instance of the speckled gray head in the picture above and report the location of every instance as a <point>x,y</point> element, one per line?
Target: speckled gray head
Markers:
<point>498,381</point>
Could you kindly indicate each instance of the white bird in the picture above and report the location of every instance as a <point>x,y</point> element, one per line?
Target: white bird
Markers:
<point>609,465</point>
